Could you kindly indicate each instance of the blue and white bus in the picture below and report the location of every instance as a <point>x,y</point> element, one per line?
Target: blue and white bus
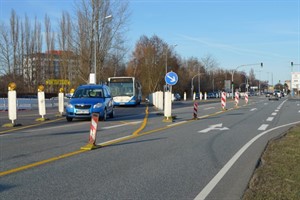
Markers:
<point>125,91</point>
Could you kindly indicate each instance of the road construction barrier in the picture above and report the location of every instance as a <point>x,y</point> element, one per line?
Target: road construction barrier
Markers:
<point>237,99</point>
<point>93,133</point>
<point>223,100</point>
<point>246,98</point>
<point>195,114</point>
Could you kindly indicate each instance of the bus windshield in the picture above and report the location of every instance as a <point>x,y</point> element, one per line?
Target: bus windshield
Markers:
<point>121,89</point>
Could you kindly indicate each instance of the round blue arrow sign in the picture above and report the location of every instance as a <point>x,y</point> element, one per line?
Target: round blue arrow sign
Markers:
<point>171,78</point>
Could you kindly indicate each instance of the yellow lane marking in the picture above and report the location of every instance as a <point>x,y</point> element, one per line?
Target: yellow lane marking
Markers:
<point>30,126</point>
<point>111,142</point>
<point>40,163</point>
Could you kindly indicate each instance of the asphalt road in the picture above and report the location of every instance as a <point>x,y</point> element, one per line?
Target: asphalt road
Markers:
<point>209,158</point>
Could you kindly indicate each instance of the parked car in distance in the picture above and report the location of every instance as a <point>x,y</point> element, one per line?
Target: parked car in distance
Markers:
<point>268,94</point>
<point>88,99</point>
<point>177,97</point>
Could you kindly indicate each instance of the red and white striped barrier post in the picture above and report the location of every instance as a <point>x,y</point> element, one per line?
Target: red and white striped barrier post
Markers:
<point>246,98</point>
<point>93,133</point>
<point>236,99</point>
<point>223,100</point>
<point>195,110</point>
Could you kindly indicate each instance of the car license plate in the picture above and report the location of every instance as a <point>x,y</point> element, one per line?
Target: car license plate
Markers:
<point>82,112</point>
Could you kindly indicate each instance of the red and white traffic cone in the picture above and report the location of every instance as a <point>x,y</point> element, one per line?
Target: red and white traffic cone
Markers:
<point>93,133</point>
<point>223,100</point>
<point>237,99</point>
<point>195,110</point>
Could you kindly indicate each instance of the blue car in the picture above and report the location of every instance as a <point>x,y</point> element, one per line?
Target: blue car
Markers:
<point>88,99</point>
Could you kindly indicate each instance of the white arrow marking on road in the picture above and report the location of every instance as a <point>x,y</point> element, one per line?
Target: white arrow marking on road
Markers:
<point>214,127</point>
<point>253,109</point>
<point>173,79</point>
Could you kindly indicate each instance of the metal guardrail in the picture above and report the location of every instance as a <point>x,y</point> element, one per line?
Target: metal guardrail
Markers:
<point>30,104</point>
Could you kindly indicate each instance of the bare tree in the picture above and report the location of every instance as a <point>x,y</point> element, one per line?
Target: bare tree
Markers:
<point>100,35</point>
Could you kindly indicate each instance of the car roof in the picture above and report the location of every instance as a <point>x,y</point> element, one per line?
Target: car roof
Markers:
<point>92,86</point>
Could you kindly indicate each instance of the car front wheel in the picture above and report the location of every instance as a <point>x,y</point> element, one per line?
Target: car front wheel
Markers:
<point>104,117</point>
<point>69,119</point>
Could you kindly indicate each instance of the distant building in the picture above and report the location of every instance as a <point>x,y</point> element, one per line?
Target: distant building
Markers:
<point>53,65</point>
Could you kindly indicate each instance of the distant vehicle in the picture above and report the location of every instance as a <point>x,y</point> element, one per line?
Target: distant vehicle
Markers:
<point>273,96</point>
<point>177,97</point>
<point>268,94</point>
<point>125,90</point>
<point>277,93</point>
<point>88,99</point>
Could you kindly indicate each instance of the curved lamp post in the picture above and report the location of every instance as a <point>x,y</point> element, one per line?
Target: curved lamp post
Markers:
<point>232,73</point>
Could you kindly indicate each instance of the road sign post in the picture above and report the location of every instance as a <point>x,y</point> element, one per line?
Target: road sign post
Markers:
<point>171,79</point>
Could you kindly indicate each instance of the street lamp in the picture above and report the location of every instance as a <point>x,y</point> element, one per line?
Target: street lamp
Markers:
<point>192,84</point>
<point>174,45</point>
<point>94,79</point>
<point>232,73</point>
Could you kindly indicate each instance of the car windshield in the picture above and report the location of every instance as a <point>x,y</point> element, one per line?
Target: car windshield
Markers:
<point>88,93</point>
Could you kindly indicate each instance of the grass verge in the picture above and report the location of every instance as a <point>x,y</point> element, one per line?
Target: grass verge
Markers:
<point>278,176</point>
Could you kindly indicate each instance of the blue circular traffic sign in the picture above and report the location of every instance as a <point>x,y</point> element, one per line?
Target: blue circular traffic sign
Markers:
<point>171,78</point>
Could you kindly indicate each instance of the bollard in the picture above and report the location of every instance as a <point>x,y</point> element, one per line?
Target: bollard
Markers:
<point>195,114</point>
<point>205,96</point>
<point>184,96</point>
<point>12,105</point>
<point>194,96</point>
<point>41,103</point>
<point>246,98</point>
<point>236,99</point>
<point>93,133</point>
<point>61,101</point>
<point>168,107</point>
<point>223,101</point>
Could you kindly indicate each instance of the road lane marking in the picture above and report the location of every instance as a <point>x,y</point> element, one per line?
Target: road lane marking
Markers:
<point>253,109</point>
<point>30,126</point>
<point>274,114</point>
<point>216,179</point>
<point>209,108</point>
<point>263,127</point>
<point>40,163</point>
<point>269,119</point>
<point>178,123</point>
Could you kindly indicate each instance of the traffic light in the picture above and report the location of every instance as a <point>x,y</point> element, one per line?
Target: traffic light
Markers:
<point>292,63</point>
<point>261,64</point>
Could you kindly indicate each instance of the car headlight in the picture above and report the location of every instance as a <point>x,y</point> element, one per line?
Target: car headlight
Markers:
<point>70,106</point>
<point>98,105</point>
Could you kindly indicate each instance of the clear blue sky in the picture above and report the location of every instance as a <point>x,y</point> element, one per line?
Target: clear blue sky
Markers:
<point>234,32</point>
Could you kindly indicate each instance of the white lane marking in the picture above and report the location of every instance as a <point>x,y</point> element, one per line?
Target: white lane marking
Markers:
<point>120,125</point>
<point>274,114</point>
<point>299,111</point>
<point>79,124</point>
<point>177,123</point>
<point>209,108</point>
<point>263,127</point>
<point>253,109</point>
<point>212,184</point>
<point>269,119</point>
<point>276,110</point>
